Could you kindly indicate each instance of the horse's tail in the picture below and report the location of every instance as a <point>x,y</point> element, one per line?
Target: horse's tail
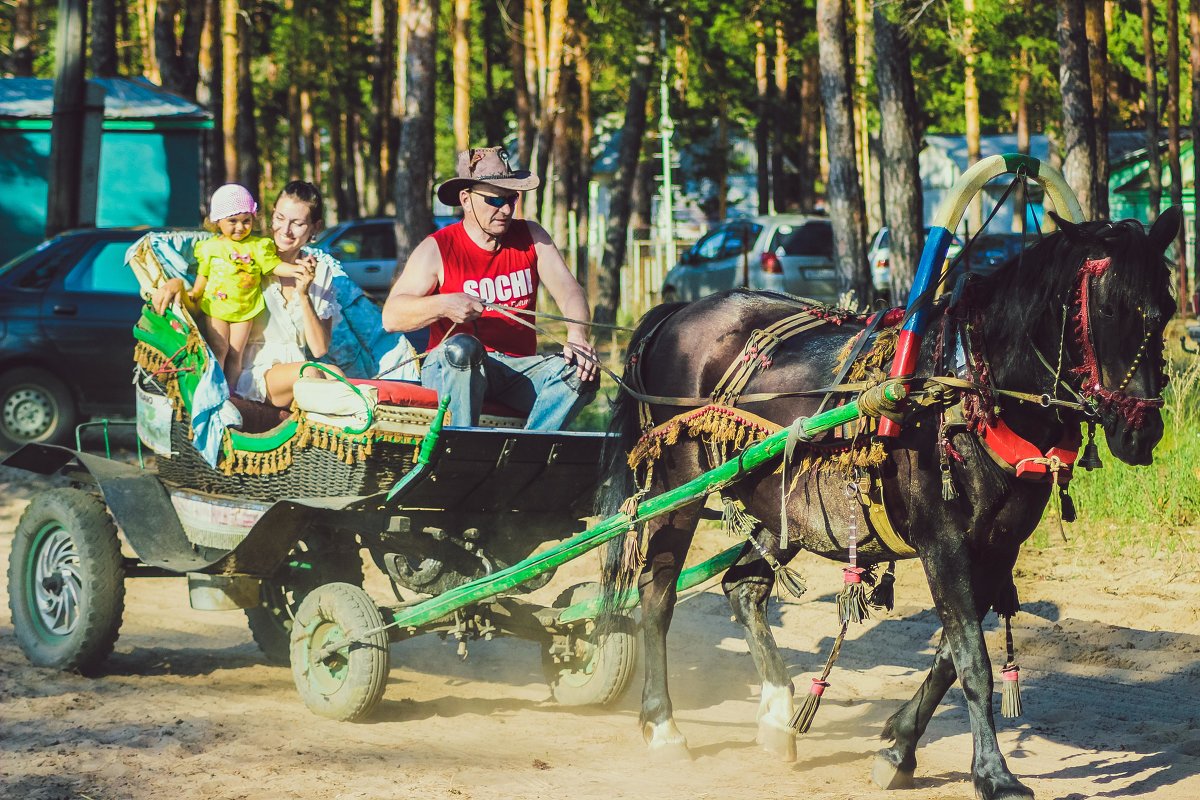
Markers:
<point>619,484</point>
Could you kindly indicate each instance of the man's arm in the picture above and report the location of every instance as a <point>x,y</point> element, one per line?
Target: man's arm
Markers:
<point>412,302</point>
<point>571,300</point>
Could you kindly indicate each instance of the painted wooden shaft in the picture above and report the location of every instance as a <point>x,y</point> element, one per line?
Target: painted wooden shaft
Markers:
<point>424,450</point>
<point>930,269</point>
<point>702,485</point>
<point>693,576</point>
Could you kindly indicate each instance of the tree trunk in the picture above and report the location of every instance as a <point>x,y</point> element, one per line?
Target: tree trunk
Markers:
<point>762,140</point>
<point>24,41</point>
<point>781,184</point>
<point>810,126</point>
<point>147,11</point>
<point>495,106</point>
<point>1173,138</point>
<point>862,69</point>
<point>229,83</point>
<point>845,200</point>
<point>295,168</point>
<point>521,88</point>
<point>1020,201</point>
<point>414,170</point>
<point>104,38</point>
<point>620,198</point>
<point>210,96</point>
<point>583,202</point>
<point>971,110</point>
<point>532,82</point>
<point>1079,157</point>
<point>178,58</point>
<point>1155,164</point>
<point>721,163</point>
<point>903,204</point>
<point>552,107</point>
<point>561,148</point>
<point>462,75</point>
<point>1097,37</point>
<point>248,172</point>
<point>383,41</point>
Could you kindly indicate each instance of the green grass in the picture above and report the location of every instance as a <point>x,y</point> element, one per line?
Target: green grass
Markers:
<point>1168,491</point>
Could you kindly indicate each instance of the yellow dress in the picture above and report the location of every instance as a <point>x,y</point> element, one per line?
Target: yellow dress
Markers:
<point>235,271</point>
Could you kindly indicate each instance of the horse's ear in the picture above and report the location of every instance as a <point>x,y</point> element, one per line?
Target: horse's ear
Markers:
<point>1165,229</point>
<point>1069,229</point>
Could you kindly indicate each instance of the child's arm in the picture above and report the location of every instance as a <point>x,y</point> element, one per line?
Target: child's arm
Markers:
<point>288,269</point>
<point>198,288</point>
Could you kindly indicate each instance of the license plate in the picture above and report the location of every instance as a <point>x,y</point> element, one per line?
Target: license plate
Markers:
<point>818,274</point>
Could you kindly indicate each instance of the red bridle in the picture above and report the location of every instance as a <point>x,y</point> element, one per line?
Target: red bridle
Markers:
<point>1131,408</point>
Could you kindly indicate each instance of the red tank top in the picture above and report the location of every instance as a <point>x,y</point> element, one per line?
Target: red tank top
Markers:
<point>507,276</point>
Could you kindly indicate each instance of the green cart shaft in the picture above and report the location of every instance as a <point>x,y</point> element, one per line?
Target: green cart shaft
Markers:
<point>714,480</point>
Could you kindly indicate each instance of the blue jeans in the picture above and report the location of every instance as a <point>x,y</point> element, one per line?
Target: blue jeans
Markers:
<point>546,388</point>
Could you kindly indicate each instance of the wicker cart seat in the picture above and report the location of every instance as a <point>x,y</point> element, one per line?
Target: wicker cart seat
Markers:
<point>394,406</point>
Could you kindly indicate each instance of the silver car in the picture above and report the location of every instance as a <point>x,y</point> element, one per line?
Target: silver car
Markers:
<point>367,249</point>
<point>790,253</point>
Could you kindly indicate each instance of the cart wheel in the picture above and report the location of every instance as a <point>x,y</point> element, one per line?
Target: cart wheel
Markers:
<point>348,683</point>
<point>66,581</point>
<point>603,661</point>
<point>308,566</point>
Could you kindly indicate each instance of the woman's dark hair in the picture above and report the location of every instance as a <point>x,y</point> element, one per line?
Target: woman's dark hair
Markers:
<point>306,193</point>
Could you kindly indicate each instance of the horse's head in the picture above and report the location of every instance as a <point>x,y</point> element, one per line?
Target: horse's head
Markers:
<point>1119,303</point>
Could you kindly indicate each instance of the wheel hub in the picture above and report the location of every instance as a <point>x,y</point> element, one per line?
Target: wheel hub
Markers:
<point>28,413</point>
<point>329,673</point>
<point>56,585</point>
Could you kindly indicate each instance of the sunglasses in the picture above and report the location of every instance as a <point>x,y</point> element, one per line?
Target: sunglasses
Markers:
<point>498,202</point>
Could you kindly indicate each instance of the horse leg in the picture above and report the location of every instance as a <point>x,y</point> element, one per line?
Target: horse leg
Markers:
<point>958,593</point>
<point>669,539</point>
<point>748,585</point>
<point>895,765</point>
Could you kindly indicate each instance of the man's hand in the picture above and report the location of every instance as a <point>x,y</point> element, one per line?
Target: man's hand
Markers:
<point>579,351</point>
<point>461,307</point>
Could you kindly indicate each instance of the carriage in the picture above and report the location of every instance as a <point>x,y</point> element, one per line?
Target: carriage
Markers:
<point>465,517</point>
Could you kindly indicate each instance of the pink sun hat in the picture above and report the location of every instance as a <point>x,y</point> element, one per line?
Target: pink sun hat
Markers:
<point>229,201</point>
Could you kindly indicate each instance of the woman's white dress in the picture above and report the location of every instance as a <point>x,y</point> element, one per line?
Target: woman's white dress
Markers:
<point>277,336</point>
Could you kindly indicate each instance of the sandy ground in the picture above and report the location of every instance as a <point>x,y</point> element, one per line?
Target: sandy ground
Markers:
<point>1109,647</point>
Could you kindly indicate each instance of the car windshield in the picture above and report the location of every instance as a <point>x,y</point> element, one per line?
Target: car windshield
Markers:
<point>15,262</point>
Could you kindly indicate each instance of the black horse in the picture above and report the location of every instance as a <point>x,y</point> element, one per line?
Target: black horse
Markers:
<point>1079,317</point>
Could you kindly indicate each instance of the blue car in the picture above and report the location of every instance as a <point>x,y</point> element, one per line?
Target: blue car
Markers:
<point>66,309</point>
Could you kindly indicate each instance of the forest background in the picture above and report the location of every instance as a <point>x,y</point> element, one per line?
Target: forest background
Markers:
<point>371,98</point>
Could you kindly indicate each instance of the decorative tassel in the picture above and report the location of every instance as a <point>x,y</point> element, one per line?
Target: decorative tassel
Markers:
<point>1067,504</point>
<point>1090,459</point>
<point>735,520</point>
<point>631,552</point>
<point>802,719</point>
<point>852,599</point>
<point>789,581</point>
<point>884,593</point>
<point>1010,697</point>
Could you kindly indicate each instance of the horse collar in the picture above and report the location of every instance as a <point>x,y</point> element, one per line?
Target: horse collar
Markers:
<point>1025,459</point>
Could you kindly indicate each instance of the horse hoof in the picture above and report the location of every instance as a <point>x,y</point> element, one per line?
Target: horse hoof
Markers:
<point>666,744</point>
<point>1019,791</point>
<point>778,742</point>
<point>887,775</point>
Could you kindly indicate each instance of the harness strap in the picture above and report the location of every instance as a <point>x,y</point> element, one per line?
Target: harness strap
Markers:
<point>756,354</point>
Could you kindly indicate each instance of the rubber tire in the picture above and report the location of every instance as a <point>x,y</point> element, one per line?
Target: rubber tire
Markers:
<point>101,576</point>
<point>612,660</point>
<point>271,620</point>
<point>53,391</point>
<point>350,691</point>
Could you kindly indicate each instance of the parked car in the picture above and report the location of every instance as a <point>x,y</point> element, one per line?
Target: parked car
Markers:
<point>792,253</point>
<point>367,249</point>
<point>66,311</point>
<point>879,257</point>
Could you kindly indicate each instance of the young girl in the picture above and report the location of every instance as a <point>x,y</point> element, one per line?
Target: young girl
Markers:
<point>230,270</point>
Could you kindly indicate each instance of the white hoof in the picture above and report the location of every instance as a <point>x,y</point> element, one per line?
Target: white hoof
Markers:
<point>775,732</point>
<point>665,742</point>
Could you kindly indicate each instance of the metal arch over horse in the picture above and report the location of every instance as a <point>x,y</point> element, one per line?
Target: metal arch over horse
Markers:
<point>1078,317</point>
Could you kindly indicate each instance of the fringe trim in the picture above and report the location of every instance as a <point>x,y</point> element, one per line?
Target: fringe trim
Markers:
<point>726,431</point>
<point>876,360</point>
